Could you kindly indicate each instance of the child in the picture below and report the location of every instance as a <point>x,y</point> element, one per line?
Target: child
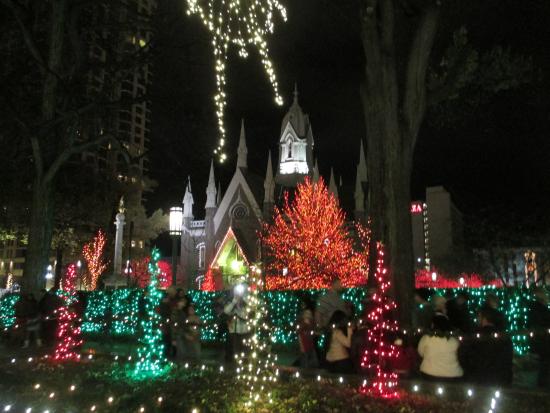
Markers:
<point>192,334</point>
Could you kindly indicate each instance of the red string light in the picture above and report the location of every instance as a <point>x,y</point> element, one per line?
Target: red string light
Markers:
<point>435,279</point>
<point>380,352</point>
<point>68,329</point>
<point>308,245</point>
<point>93,255</point>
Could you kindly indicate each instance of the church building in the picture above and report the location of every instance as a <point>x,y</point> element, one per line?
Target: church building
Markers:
<point>226,241</point>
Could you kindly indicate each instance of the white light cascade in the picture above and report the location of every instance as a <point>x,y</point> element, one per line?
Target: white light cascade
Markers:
<point>241,23</point>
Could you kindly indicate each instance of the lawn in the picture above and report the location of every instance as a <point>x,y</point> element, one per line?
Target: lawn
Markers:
<point>101,385</point>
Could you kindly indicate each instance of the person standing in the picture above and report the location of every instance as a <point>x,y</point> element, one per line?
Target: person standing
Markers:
<point>539,321</point>
<point>458,313</point>
<point>192,334</point>
<point>306,338</point>
<point>330,303</point>
<point>236,324</point>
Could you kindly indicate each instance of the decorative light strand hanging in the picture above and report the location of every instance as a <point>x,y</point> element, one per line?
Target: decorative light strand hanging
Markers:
<point>242,23</point>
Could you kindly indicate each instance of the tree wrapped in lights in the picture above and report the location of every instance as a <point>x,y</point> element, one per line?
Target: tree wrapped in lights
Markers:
<point>242,24</point>
<point>307,245</point>
<point>256,366</point>
<point>68,328</point>
<point>380,349</point>
<point>93,255</point>
<point>151,361</point>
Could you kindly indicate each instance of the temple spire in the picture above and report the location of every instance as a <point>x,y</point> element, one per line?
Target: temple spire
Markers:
<point>188,200</point>
<point>361,177</point>
<point>269,183</point>
<point>211,189</point>
<point>316,172</point>
<point>332,184</point>
<point>242,151</point>
<point>295,92</point>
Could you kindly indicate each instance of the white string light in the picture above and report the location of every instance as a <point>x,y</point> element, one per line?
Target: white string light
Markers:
<point>241,23</point>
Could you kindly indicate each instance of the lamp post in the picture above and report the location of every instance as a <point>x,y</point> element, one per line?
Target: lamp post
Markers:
<point>176,226</point>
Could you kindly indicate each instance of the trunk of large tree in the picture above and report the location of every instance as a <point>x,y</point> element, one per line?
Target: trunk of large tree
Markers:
<point>394,109</point>
<point>40,237</point>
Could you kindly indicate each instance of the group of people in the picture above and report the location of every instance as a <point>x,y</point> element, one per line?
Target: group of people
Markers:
<point>37,318</point>
<point>181,327</point>
<point>451,345</point>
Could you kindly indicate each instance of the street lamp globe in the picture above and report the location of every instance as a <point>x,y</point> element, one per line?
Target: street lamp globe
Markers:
<point>176,220</point>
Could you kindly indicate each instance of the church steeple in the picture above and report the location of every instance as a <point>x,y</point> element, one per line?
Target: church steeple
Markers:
<point>269,183</point>
<point>188,200</point>
<point>242,151</point>
<point>332,184</point>
<point>211,189</point>
<point>316,172</point>
<point>360,178</point>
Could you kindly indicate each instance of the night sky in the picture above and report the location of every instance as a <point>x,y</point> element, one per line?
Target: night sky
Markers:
<point>498,157</point>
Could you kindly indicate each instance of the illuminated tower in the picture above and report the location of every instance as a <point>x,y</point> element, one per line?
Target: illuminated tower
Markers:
<point>295,146</point>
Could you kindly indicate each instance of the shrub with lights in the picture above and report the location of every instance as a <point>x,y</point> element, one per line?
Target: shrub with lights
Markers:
<point>256,366</point>
<point>93,255</point>
<point>380,350</point>
<point>68,335</point>
<point>151,361</point>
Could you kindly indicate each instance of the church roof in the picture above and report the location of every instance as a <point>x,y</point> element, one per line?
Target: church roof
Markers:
<point>256,184</point>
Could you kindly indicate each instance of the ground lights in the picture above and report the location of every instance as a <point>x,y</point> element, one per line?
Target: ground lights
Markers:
<point>241,24</point>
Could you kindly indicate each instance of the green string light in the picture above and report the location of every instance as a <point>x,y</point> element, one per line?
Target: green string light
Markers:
<point>151,361</point>
<point>125,311</point>
<point>95,313</point>
<point>7,310</point>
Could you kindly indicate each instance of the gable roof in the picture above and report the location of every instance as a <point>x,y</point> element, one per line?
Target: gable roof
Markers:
<point>239,180</point>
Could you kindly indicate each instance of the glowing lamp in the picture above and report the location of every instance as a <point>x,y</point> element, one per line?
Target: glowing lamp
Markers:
<point>176,220</point>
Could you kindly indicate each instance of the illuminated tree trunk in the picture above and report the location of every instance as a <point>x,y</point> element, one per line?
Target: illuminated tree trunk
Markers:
<point>394,101</point>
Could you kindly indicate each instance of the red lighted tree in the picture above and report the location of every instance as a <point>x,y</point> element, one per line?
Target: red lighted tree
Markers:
<point>307,245</point>
<point>141,276</point>
<point>93,255</point>
<point>380,351</point>
<point>68,328</point>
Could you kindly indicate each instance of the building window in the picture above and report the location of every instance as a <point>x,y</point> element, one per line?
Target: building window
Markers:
<point>202,255</point>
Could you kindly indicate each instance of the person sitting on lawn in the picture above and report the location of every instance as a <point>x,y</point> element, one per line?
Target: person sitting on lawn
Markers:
<point>438,350</point>
<point>339,343</point>
<point>487,359</point>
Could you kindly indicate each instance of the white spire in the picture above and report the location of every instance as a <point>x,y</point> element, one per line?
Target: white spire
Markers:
<point>219,194</point>
<point>332,184</point>
<point>269,183</point>
<point>316,172</point>
<point>211,189</point>
<point>361,177</point>
<point>188,200</point>
<point>242,151</point>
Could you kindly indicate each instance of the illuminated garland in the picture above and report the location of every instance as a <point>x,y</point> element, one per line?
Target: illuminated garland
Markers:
<point>256,366</point>
<point>241,23</point>
<point>380,351</point>
<point>434,279</point>
<point>68,331</point>
<point>307,245</point>
<point>93,255</point>
<point>7,310</point>
<point>151,361</point>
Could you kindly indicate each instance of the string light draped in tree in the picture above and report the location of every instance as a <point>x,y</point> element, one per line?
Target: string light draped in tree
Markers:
<point>151,361</point>
<point>256,366</point>
<point>68,326</point>
<point>241,23</point>
<point>380,351</point>
<point>93,255</point>
<point>308,245</point>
